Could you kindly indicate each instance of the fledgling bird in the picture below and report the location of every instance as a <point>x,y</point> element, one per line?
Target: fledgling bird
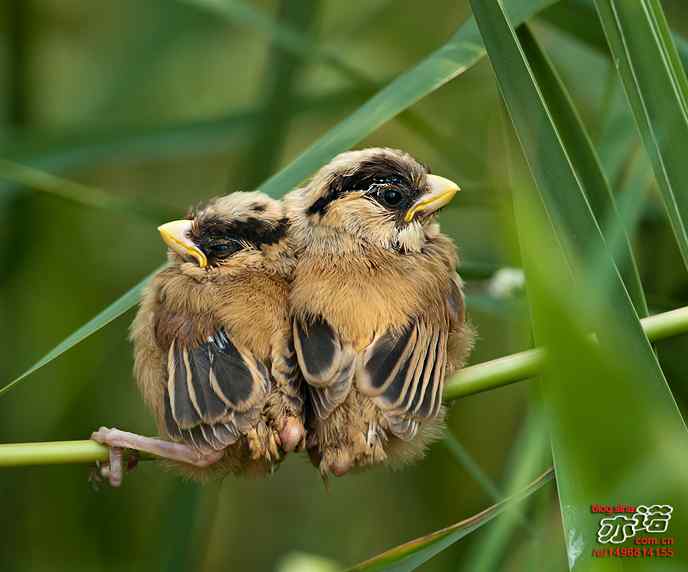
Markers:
<point>377,308</point>
<point>212,343</point>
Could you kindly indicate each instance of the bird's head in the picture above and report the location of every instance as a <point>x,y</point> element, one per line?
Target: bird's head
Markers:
<point>379,196</point>
<point>243,230</point>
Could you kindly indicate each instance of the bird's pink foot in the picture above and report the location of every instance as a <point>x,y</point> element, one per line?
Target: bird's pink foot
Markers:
<point>336,462</point>
<point>118,440</point>
<point>292,434</point>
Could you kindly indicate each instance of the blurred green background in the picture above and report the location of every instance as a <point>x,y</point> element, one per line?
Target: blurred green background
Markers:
<point>164,104</point>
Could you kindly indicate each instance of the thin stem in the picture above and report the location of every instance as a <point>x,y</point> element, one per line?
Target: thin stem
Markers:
<point>524,365</point>
<point>474,379</point>
<point>472,467</point>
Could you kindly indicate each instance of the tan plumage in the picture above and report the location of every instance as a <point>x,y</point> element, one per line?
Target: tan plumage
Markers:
<point>212,342</point>
<point>377,307</point>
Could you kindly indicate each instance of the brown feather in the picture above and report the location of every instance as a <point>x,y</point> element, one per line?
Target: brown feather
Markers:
<point>179,348</point>
<point>390,293</point>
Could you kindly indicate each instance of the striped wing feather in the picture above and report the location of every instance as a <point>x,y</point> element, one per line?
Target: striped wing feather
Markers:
<point>327,365</point>
<point>215,391</point>
<point>404,373</point>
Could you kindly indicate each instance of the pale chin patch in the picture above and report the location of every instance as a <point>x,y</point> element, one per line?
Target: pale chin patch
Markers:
<point>412,237</point>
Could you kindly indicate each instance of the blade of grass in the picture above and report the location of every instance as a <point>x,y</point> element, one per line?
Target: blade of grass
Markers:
<point>282,34</point>
<point>593,454</point>
<point>411,555</point>
<point>626,164</point>
<point>92,145</point>
<point>619,141</point>
<point>37,180</point>
<point>124,303</point>
<point>657,90</point>
<point>528,456</point>
<point>471,466</point>
<point>559,181</point>
<point>595,451</point>
<point>463,50</point>
<point>292,41</point>
<point>585,162</point>
<point>460,53</point>
<point>579,19</point>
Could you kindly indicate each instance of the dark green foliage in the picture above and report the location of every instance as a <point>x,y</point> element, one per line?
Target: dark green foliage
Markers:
<point>132,113</point>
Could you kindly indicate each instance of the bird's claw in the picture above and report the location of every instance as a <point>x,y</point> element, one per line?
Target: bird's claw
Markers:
<point>113,470</point>
<point>292,435</point>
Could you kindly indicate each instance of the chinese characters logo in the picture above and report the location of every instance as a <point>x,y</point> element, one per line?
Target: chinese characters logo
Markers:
<point>619,528</point>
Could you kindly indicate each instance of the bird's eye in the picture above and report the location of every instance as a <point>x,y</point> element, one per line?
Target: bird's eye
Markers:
<point>391,197</point>
<point>224,248</point>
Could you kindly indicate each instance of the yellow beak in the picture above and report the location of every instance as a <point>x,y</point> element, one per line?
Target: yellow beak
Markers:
<point>440,192</point>
<point>175,234</point>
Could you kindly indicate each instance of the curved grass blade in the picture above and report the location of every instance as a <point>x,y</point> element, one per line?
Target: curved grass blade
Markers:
<point>81,194</point>
<point>618,140</point>
<point>585,162</point>
<point>471,466</point>
<point>411,555</point>
<point>596,452</point>
<point>529,453</point>
<point>463,50</point>
<point>657,90</point>
<point>579,19</point>
<point>139,143</point>
<point>560,239</point>
<point>460,53</point>
<point>287,37</point>
<point>124,303</point>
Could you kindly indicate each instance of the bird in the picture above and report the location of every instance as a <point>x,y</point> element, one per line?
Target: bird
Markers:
<point>377,308</point>
<point>213,357</point>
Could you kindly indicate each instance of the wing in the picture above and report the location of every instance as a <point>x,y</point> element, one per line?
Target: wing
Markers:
<point>403,372</point>
<point>461,333</point>
<point>455,303</point>
<point>215,391</point>
<point>326,363</point>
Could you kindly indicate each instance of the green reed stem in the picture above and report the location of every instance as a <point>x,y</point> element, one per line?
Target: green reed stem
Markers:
<point>474,379</point>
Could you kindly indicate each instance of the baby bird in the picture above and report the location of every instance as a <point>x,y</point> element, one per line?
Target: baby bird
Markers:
<point>212,344</point>
<point>377,308</point>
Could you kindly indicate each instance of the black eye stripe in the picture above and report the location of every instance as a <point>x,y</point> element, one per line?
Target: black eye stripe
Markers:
<point>223,246</point>
<point>368,183</point>
<point>219,250</point>
<point>219,238</point>
<point>370,176</point>
<point>252,230</point>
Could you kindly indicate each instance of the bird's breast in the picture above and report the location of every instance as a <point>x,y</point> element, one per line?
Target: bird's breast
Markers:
<point>359,298</point>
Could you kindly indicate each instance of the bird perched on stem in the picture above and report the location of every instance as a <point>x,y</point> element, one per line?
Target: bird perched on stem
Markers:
<point>212,344</point>
<point>377,307</point>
